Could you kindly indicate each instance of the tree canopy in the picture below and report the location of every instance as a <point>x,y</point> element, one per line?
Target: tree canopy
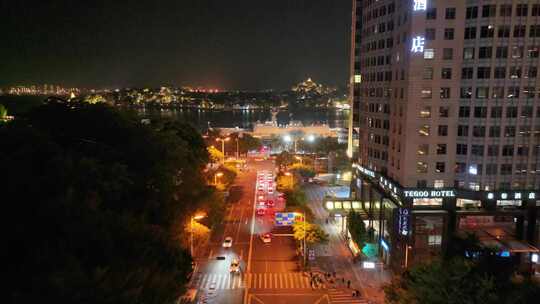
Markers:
<point>313,233</point>
<point>453,282</point>
<point>93,199</point>
<point>357,228</point>
<point>3,111</point>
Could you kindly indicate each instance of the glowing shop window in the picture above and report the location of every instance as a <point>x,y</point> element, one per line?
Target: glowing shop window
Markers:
<point>434,240</point>
<point>427,202</point>
<point>461,202</point>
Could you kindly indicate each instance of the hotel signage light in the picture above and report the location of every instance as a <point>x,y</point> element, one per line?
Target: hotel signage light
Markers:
<point>420,5</point>
<point>429,193</point>
<point>418,44</point>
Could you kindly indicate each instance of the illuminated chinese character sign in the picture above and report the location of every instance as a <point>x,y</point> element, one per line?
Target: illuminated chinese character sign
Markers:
<point>420,5</point>
<point>403,221</point>
<point>417,44</point>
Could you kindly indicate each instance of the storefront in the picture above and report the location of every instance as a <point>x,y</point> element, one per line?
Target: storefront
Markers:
<point>416,224</point>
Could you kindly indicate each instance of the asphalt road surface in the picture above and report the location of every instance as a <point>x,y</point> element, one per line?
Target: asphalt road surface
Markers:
<point>269,271</point>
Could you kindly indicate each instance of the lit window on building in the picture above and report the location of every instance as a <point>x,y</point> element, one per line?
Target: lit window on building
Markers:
<point>424,130</point>
<point>429,53</point>
<point>438,183</point>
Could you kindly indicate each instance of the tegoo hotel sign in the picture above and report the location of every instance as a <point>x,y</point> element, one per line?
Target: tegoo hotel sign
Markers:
<point>429,193</point>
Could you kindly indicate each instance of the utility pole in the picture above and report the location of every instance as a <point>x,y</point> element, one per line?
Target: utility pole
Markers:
<point>223,140</point>
<point>237,149</point>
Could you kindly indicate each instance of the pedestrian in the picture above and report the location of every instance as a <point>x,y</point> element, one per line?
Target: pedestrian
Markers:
<point>348,283</point>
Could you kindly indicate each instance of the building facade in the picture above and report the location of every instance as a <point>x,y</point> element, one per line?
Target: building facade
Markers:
<point>449,122</point>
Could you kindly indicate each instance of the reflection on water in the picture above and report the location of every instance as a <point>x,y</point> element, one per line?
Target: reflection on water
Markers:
<point>246,119</point>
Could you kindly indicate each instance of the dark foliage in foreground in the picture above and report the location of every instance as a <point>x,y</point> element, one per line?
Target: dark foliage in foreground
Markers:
<point>462,277</point>
<point>90,196</point>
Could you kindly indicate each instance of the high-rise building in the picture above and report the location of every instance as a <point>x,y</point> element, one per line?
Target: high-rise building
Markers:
<point>448,119</point>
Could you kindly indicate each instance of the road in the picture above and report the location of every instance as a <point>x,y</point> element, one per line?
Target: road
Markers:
<point>269,272</point>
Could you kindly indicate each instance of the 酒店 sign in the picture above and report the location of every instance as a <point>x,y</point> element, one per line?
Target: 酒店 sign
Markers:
<point>429,193</point>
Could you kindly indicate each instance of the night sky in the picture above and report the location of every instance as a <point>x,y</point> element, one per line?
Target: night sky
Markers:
<point>225,44</point>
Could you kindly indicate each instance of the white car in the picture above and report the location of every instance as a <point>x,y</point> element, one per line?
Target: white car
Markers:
<point>227,243</point>
<point>235,266</point>
<point>266,238</point>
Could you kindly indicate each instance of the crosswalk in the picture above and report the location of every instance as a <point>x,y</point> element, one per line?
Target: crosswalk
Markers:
<point>344,296</point>
<point>289,280</point>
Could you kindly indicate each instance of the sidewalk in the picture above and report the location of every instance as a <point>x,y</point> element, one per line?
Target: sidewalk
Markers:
<point>336,256</point>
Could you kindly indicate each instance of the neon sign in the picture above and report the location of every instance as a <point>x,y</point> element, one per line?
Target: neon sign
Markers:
<point>417,44</point>
<point>385,245</point>
<point>403,221</point>
<point>429,193</point>
<point>420,5</point>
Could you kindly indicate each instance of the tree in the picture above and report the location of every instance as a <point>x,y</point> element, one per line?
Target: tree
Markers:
<point>438,282</point>
<point>246,143</point>
<point>284,159</point>
<point>302,170</point>
<point>357,228</point>
<point>93,197</point>
<point>313,233</point>
<point>215,155</point>
<point>3,112</point>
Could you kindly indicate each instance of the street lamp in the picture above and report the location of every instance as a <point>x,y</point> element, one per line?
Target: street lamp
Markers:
<point>219,174</point>
<point>223,140</point>
<point>407,247</point>
<point>194,217</point>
